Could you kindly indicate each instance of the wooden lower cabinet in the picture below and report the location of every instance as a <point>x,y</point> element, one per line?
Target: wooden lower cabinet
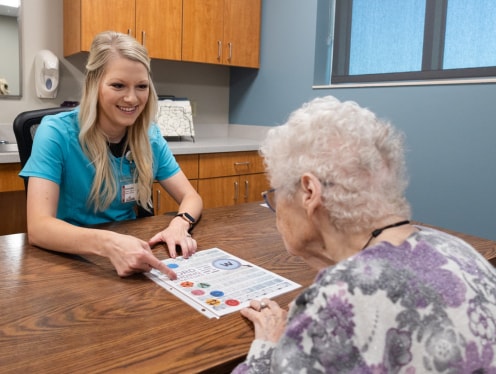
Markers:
<point>12,200</point>
<point>231,178</point>
<point>221,179</point>
<point>163,202</point>
<point>226,191</point>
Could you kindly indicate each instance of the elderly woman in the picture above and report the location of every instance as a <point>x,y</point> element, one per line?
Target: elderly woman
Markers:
<point>390,297</point>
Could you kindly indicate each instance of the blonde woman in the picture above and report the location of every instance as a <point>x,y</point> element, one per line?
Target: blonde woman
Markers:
<point>97,163</point>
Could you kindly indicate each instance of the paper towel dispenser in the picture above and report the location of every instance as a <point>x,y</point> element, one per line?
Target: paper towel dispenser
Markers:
<point>46,75</point>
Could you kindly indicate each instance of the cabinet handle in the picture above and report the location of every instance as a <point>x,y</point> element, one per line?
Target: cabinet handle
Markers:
<point>242,163</point>
<point>158,200</point>
<point>143,38</point>
<point>236,192</point>
<point>247,190</point>
<point>219,49</point>
<point>129,32</point>
<point>229,45</point>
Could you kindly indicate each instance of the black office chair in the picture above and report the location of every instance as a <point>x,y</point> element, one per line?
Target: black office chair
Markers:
<point>25,125</point>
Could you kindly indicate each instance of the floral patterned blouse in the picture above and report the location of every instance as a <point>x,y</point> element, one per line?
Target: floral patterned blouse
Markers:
<point>426,306</point>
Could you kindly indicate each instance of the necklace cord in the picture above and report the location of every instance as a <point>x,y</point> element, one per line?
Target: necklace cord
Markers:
<point>379,231</point>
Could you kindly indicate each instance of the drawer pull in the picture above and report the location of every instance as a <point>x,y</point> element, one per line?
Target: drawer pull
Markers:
<point>219,49</point>
<point>236,192</point>
<point>242,163</point>
<point>158,200</point>
<point>247,189</point>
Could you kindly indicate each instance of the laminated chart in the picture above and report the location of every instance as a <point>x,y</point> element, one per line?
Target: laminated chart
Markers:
<point>217,283</point>
<point>175,118</point>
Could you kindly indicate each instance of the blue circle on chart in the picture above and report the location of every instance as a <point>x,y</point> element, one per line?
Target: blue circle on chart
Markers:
<point>217,293</point>
<point>172,266</point>
<point>226,264</point>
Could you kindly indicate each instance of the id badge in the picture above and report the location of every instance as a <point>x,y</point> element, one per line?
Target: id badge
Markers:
<point>128,192</point>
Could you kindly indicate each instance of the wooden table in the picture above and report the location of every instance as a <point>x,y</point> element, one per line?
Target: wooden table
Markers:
<point>65,314</point>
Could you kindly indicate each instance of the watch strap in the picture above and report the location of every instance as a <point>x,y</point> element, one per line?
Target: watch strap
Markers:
<point>187,217</point>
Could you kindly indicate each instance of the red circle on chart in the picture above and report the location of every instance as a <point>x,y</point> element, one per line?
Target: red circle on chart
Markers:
<point>232,302</point>
<point>187,284</point>
<point>198,292</point>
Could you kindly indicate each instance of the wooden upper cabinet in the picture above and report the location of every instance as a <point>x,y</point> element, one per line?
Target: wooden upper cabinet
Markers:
<point>242,33</point>
<point>155,23</point>
<point>83,19</point>
<point>222,32</point>
<point>159,27</point>
<point>203,30</point>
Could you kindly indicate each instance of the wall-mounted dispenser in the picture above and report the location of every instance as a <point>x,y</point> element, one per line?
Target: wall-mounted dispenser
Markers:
<point>46,74</point>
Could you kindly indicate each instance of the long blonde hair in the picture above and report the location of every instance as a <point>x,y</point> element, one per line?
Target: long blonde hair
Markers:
<point>94,143</point>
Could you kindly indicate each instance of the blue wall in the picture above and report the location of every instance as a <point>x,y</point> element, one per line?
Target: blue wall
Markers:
<point>450,130</point>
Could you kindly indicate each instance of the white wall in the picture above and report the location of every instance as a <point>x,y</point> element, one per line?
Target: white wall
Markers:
<point>42,28</point>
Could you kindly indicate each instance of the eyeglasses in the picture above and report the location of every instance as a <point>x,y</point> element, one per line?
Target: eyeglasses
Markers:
<point>269,197</point>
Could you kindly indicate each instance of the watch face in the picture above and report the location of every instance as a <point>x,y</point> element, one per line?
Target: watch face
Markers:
<point>189,217</point>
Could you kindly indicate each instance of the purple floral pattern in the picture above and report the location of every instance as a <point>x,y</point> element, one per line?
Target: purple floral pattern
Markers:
<point>427,306</point>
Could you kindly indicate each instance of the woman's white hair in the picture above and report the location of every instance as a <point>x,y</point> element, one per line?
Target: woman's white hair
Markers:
<point>358,158</point>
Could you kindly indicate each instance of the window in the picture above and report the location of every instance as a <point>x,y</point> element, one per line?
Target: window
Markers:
<point>368,41</point>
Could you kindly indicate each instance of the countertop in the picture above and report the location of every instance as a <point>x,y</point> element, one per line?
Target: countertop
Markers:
<point>187,146</point>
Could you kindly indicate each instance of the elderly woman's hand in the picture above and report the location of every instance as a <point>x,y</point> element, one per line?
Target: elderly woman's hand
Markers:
<point>176,234</point>
<point>268,319</point>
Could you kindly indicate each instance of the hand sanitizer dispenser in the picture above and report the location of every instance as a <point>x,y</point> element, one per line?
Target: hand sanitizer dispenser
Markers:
<point>46,74</point>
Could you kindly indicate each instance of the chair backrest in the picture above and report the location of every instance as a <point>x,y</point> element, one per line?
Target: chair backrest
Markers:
<point>25,125</point>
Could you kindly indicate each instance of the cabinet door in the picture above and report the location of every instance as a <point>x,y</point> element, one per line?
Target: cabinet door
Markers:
<point>12,199</point>
<point>189,165</point>
<point>217,192</point>
<point>10,179</point>
<point>159,27</point>
<point>13,205</point>
<point>203,30</point>
<point>241,46</point>
<point>98,16</point>
<point>163,202</point>
<point>252,186</point>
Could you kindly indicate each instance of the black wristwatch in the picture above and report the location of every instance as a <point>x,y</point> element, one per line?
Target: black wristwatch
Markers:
<point>188,218</point>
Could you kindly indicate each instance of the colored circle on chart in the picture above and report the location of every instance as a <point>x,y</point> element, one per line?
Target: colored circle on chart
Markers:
<point>232,302</point>
<point>203,285</point>
<point>217,293</point>
<point>198,292</point>
<point>172,266</point>
<point>226,264</point>
<point>187,284</point>
<point>213,302</point>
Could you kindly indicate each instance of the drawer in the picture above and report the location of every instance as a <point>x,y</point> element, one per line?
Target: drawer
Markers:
<point>10,179</point>
<point>231,163</point>
<point>189,165</point>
